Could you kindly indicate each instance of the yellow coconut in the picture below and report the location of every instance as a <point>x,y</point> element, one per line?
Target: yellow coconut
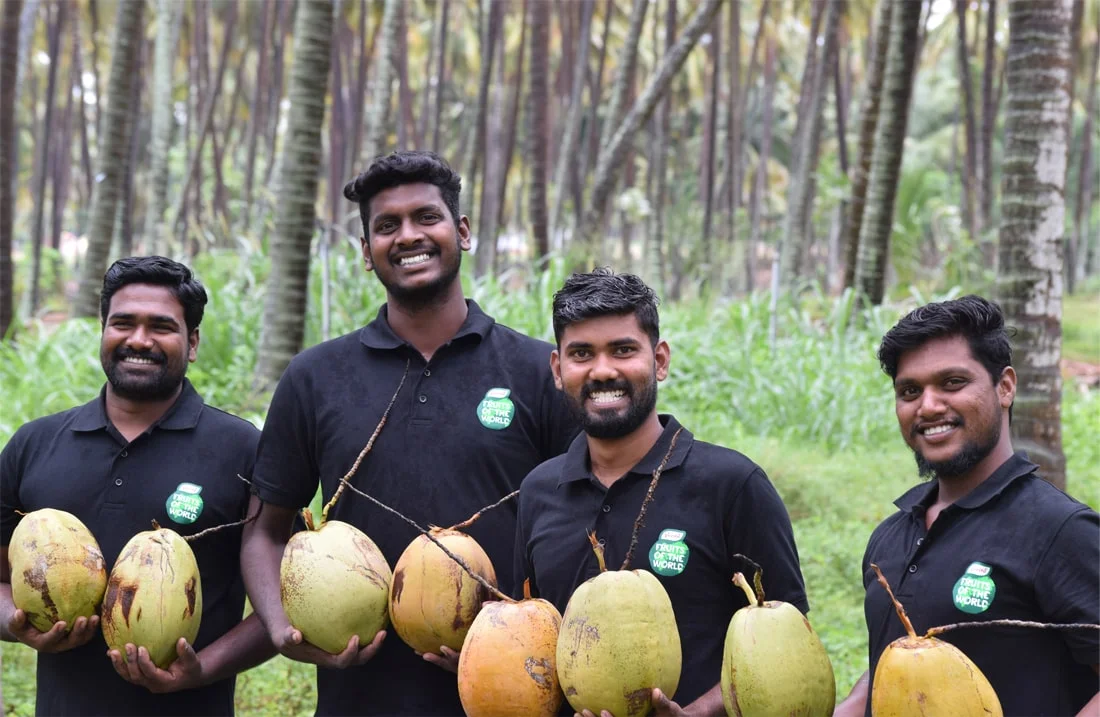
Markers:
<point>927,677</point>
<point>154,596</point>
<point>57,569</point>
<point>618,641</point>
<point>507,666</point>
<point>335,584</point>
<point>433,601</point>
<point>773,662</point>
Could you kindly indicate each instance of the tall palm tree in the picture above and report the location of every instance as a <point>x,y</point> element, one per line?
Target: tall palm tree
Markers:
<point>1029,282</point>
<point>286,299</point>
<point>9,59</point>
<point>538,133</point>
<point>113,149</point>
<point>878,217</point>
<point>169,20</point>
<point>382,84</point>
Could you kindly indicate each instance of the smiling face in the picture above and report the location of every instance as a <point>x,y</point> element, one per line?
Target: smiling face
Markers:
<point>145,346</point>
<point>608,370</point>
<point>949,411</point>
<point>415,246</point>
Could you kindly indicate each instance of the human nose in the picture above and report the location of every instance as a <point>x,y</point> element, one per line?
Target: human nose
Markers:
<point>140,337</point>
<point>603,368</point>
<point>930,404</point>
<point>409,232</point>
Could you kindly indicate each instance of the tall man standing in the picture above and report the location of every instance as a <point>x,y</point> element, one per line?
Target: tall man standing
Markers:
<point>987,538</point>
<point>477,411</point>
<point>147,444</point>
<point>710,502</point>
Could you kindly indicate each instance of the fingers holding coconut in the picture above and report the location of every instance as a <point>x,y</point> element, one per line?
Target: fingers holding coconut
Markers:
<point>294,646</point>
<point>58,638</point>
<point>185,672</point>
<point>663,706</point>
<point>446,658</point>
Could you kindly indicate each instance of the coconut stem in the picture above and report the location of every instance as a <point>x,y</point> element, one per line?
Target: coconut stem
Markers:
<point>740,581</point>
<point>427,533</point>
<point>307,518</point>
<point>473,518</point>
<point>156,525</point>
<point>216,528</point>
<point>897,605</point>
<point>527,588</point>
<point>1011,623</point>
<point>598,550</point>
<point>757,577</point>
<point>648,499</point>
<point>366,449</point>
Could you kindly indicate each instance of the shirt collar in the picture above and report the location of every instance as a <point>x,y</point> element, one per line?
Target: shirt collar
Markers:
<point>924,495</point>
<point>576,465</point>
<point>379,335</point>
<point>181,416</point>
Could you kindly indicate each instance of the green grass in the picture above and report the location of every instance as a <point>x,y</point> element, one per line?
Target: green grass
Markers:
<point>814,411</point>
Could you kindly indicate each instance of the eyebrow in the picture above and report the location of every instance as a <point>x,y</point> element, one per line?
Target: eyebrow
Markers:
<point>614,343</point>
<point>154,318</point>
<point>429,207</point>
<point>939,375</point>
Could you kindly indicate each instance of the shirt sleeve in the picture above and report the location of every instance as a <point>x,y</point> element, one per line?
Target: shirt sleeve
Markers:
<point>522,567</point>
<point>1067,581</point>
<point>759,528</point>
<point>286,472</point>
<point>11,477</point>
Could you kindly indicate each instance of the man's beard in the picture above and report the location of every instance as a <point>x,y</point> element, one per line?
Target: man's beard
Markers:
<point>970,455</point>
<point>157,386</point>
<point>615,425</point>
<point>422,297</point>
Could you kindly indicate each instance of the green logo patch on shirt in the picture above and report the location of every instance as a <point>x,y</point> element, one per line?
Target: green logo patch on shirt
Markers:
<point>496,410</point>
<point>974,591</point>
<point>185,505</point>
<point>669,555</point>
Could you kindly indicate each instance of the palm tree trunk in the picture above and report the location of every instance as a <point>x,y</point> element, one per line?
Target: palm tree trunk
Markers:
<point>624,77</point>
<point>123,242</point>
<point>287,288</point>
<point>56,15</point>
<point>9,61</point>
<point>474,183</point>
<point>989,119</point>
<point>1029,283</point>
<point>710,142</point>
<point>510,136</point>
<point>381,86</point>
<point>591,130</point>
<point>612,154</point>
<point>567,150</point>
<point>539,124</point>
<point>112,155</point>
<point>437,112</point>
<point>1080,245</point>
<point>874,237</point>
<point>169,16</point>
<point>868,120</point>
<point>760,186</point>
<point>970,164</point>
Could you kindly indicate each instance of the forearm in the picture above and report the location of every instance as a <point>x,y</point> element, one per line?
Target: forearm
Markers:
<point>1092,708</point>
<point>243,647</point>
<point>709,704</point>
<point>855,704</point>
<point>261,554</point>
<point>7,608</point>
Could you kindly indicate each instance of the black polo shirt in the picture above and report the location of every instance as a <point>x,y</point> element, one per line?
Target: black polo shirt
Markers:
<point>182,472</point>
<point>1014,548</point>
<point>710,503</point>
<point>465,429</point>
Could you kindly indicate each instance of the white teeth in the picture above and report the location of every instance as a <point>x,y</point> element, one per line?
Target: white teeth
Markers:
<point>412,260</point>
<point>135,359</point>
<point>935,430</point>
<point>605,396</point>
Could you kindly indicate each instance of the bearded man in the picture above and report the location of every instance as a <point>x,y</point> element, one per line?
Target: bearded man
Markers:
<point>710,502</point>
<point>987,538</point>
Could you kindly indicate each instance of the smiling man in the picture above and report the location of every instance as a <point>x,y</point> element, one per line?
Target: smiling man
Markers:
<point>477,410</point>
<point>987,538</point>
<point>147,448</point>
<point>710,502</point>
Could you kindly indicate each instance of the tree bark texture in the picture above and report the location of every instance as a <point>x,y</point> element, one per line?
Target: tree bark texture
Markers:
<point>9,61</point>
<point>55,25</point>
<point>970,160</point>
<point>567,150</point>
<point>624,75</point>
<point>897,90</point>
<point>1029,283</point>
<point>1086,176</point>
<point>112,155</point>
<point>989,115</point>
<point>295,215</point>
<point>760,185</point>
<point>538,132</point>
<point>169,16</point>
<point>381,87</point>
<point>868,120</point>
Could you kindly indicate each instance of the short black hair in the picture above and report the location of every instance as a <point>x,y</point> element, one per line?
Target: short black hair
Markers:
<point>980,321</point>
<point>602,292</point>
<point>159,271</point>
<point>407,167</point>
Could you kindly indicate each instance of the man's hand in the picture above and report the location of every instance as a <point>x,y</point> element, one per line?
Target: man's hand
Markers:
<point>447,659</point>
<point>56,639</point>
<point>662,707</point>
<point>291,644</point>
<point>184,673</point>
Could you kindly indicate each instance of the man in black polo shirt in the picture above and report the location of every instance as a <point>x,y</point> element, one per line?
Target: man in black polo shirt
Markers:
<point>477,411</point>
<point>988,539</point>
<point>146,449</point>
<point>710,503</point>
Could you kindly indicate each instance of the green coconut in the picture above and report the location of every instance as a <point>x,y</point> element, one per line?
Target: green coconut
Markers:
<point>335,584</point>
<point>57,569</point>
<point>154,596</point>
